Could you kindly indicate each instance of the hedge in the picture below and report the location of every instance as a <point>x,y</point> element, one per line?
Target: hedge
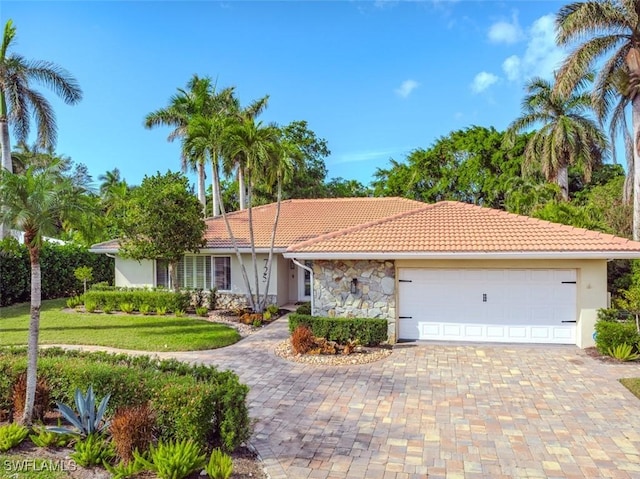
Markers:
<point>58,262</point>
<point>191,402</point>
<point>156,298</point>
<point>367,331</point>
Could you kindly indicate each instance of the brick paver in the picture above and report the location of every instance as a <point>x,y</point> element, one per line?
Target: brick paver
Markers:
<point>438,411</point>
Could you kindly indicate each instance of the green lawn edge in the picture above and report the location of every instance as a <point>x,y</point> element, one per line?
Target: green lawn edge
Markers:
<point>129,332</point>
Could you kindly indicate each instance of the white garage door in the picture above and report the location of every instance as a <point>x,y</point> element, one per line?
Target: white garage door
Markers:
<point>500,305</point>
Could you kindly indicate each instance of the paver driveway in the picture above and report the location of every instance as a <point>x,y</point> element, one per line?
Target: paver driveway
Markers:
<point>439,410</point>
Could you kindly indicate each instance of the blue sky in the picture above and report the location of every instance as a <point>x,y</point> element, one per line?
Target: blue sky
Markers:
<point>375,79</point>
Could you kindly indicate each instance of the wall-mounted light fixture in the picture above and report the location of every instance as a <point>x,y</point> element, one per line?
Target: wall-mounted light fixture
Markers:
<point>291,265</point>
<point>354,286</point>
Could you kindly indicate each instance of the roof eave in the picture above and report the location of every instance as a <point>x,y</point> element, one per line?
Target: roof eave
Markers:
<point>606,255</point>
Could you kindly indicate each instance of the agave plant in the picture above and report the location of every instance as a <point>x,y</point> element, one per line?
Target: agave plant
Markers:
<point>89,419</point>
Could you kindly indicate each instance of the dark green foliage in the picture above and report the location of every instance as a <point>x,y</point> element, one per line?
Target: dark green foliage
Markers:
<point>58,263</point>
<point>192,402</point>
<point>367,331</point>
<point>155,299</point>
<point>610,334</point>
<point>304,308</point>
<point>613,315</point>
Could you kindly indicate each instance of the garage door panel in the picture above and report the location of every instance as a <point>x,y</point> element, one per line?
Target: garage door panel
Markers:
<point>488,305</point>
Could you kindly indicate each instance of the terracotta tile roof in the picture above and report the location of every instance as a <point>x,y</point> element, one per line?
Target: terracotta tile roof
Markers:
<point>105,246</point>
<point>452,227</point>
<point>301,220</point>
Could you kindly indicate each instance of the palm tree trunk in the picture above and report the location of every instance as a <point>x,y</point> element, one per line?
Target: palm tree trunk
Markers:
<point>635,109</point>
<point>271,245</point>
<point>34,330</point>
<point>215,187</point>
<point>242,191</point>
<point>202,196</point>
<point>254,258</point>
<point>563,182</point>
<point>245,277</point>
<point>5,145</point>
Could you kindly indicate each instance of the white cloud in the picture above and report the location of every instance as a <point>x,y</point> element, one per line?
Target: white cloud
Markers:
<point>506,32</point>
<point>368,155</point>
<point>406,88</point>
<point>542,57</point>
<point>482,81</point>
<point>511,67</point>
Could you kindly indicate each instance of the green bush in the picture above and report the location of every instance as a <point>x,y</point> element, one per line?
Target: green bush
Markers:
<point>58,263</point>
<point>138,297</point>
<point>192,402</point>
<point>367,331</point>
<point>613,314</point>
<point>304,308</point>
<point>611,334</point>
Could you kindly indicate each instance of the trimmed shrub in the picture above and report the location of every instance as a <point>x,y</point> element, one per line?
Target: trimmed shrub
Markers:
<point>367,331</point>
<point>191,402</point>
<point>304,308</point>
<point>58,263</point>
<point>611,334</point>
<point>154,299</point>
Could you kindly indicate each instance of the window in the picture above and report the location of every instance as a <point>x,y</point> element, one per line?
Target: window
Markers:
<point>197,272</point>
<point>222,272</point>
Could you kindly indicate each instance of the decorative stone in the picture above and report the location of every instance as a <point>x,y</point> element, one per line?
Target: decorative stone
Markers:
<point>388,285</point>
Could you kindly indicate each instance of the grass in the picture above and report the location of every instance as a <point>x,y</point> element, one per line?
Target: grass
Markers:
<point>136,332</point>
<point>632,384</point>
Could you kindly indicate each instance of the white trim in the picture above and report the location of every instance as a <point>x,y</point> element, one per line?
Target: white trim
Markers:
<point>310,270</point>
<point>210,251</point>
<point>471,255</point>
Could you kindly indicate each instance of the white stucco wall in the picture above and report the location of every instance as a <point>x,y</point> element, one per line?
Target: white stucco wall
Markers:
<point>591,284</point>
<point>132,273</point>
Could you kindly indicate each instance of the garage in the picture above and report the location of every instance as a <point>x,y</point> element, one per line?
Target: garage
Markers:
<point>490,305</point>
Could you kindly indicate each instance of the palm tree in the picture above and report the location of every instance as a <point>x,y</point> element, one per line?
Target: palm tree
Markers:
<point>607,34</point>
<point>566,136</point>
<point>108,180</point>
<point>248,146</point>
<point>18,100</point>
<point>183,106</point>
<point>36,202</point>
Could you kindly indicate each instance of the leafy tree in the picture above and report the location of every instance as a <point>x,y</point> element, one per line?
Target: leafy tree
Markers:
<point>341,188</point>
<point>36,201</point>
<point>566,136</point>
<point>473,165</point>
<point>84,274</point>
<point>18,100</point>
<point>605,34</point>
<point>163,221</point>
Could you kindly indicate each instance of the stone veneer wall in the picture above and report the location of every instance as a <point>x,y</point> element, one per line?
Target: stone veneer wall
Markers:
<point>376,296</point>
<point>235,301</point>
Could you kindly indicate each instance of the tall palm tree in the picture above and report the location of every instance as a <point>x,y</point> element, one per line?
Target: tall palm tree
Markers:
<point>248,146</point>
<point>18,100</point>
<point>566,135</point>
<point>36,202</point>
<point>607,34</point>
<point>239,115</point>
<point>195,100</point>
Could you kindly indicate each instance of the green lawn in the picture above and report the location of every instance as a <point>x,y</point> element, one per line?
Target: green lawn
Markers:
<point>632,384</point>
<point>145,333</point>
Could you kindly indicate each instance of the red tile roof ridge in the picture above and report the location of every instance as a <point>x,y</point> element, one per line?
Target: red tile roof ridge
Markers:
<point>362,226</point>
<point>318,200</point>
